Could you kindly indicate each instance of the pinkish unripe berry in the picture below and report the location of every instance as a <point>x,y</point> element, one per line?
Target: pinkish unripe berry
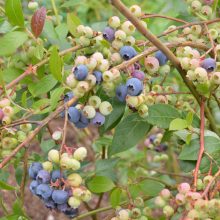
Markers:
<point>1,114</point>
<point>184,188</point>
<point>180,199</point>
<point>4,102</point>
<point>151,64</point>
<point>206,10</point>
<point>208,2</point>
<point>196,5</point>
<point>165,194</point>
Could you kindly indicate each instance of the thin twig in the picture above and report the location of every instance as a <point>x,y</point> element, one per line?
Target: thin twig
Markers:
<point>202,141</point>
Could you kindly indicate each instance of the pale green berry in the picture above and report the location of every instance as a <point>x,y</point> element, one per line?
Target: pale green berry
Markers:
<point>26,127</point>
<point>161,99</point>
<point>105,108</point>
<point>213,33</point>
<point>98,56</point>
<point>187,30</point>
<point>89,111</point>
<point>103,65</point>
<point>6,120</point>
<point>185,63</point>
<point>91,63</point>
<point>123,214</point>
<point>128,27</point>
<point>71,81</point>
<point>120,35</point>
<point>114,22</point>
<point>180,199</point>
<point>165,194</point>
<point>32,5</point>
<point>193,214</point>
<point>216,78</point>
<point>48,166</point>
<point>164,70</point>
<point>196,5</point>
<point>144,24</point>
<point>87,196</point>
<point>115,58</point>
<point>135,212</point>
<point>82,87</point>
<point>130,40</point>
<point>54,156</point>
<point>196,29</point>
<point>84,41</point>
<point>191,75</point>
<point>206,10</point>
<point>80,29</point>
<point>91,79</point>
<point>207,179</point>
<point>135,101</point>
<point>73,164</point>
<point>164,157</point>
<point>74,202</point>
<point>78,192</point>
<point>94,101</point>
<point>149,99</point>
<point>157,88</point>
<point>143,110</point>
<point>117,44</point>
<point>143,218</point>
<point>21,136</point>
<point>201,74</point>
<point>135,10</point>
<point>74,180</point>
<point>199,185</point>
<point>80,60</point>
<point>8,111</point>
<point>168,211</point>
<point>80,153</point>
<point>88,32</point>
<point>108,76</point>
<point>57,135</point>
<point>8,142</point>
<point>159,202</point>
<point>139,202</point>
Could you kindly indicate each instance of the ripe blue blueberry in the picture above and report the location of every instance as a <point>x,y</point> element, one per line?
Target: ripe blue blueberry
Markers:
<point>56,174</point>
<point>127,52</point>
<point>121,93</point>
<point>49,203</point>
<point>34,169</point>
<point>162,58</point>
<point>134,86</point>
<point>81,72</point>
<point>73,114</point>
<point>43,176</point>
<point>44,191</point>
<point>138,74</point>
<point>71,212</point>
<point>34,184</point>
<point>83,122</point>
<point>109,34</point>
<point>98,120</point>
<point>60,196</point>
<point>62,207</point>
<point>209,64</point>
<point>152,138</point>
<point>98,76</point>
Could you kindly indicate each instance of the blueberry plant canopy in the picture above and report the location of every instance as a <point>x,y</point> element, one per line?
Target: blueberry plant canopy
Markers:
<point>110,109</point>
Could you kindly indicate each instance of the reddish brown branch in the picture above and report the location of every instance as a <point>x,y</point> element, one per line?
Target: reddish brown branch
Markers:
<point>202,141</point>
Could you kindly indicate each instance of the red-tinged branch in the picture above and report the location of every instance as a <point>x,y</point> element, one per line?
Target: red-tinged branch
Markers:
<point>202,141</point>
<point>35,132</point>
<point>32,69</point>
<point>170,55</point>
<point>163,16</point>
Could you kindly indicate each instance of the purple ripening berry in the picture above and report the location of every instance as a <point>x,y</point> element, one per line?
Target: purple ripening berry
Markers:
<point>138,74</point>
<point>109,34</point>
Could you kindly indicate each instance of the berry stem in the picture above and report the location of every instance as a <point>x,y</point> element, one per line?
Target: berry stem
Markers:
<point>202,141</point>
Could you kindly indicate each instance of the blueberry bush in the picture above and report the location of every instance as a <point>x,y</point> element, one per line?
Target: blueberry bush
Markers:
<point>145,93</point>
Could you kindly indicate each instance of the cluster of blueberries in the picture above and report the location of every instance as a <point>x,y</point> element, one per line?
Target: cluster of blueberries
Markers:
<point>52,197</point>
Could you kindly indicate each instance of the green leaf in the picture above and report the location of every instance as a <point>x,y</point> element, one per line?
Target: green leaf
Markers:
<point>5,186</point>
<point>178,124</point>
<point>128,133</point>
<point>55,64</point>
<point>72,22</point>
<point>151,187</point>
<point>43,86</point>
<point>55,97</point>
<point>113,119</point>
<point>13,10</point>
<point>115,197</point>
<point>47,145</point>
<point>190,151</point>
<point>100,184</point>
<point>11,41</point>
<point>189,118</point>
<point>106,167</point>
<point>161,115</point>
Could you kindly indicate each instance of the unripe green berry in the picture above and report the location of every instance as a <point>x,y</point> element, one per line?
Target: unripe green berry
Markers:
<point>84,41</point>
<point>8,111</point>
<point>57,135</point>
<point>159,202</point>
<point>89,111</point>
<point>165,194</point>
<point>123,214</point>
<point>80,153</point>
<point>114,22</point>
<point>135,213</point>
<point>135,10</point>
<point>120,35</point>
<point>74,179</point>
<point>94,101</point>
<point>54,156</point>
<point>168,211</point>
<point>87,196</point>
<point>139,202</point>
<point>107,76</point>
<point>32,5</point>
<point>143,110</point>
<point>74,202</point>
<point>26,127</point>
<point>71,81</point>
<point>105,108</point>
<point>48,166</point>
<point>196,5</point>
<point>128,27</point>
<point>103,65</point>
